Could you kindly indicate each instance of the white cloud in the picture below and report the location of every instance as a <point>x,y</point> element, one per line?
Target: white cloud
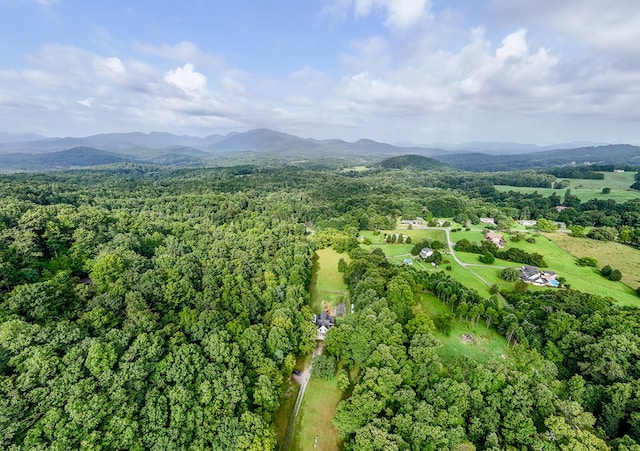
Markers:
<point>187,79</point>
<point>611,27</point>
<point>399,14</point>
<point>88,102</point>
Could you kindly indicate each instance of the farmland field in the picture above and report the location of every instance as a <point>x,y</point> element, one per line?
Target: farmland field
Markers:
<point>620,256</point>
<point>586,189</point>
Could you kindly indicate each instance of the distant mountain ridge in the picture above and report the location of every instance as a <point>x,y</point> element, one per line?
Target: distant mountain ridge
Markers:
<point>613,154</point>
<point>20,152</point>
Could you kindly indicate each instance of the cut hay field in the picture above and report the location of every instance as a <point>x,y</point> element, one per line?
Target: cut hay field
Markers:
<point>315,418</point>
<point>326,281</point>
<point>587,189</point>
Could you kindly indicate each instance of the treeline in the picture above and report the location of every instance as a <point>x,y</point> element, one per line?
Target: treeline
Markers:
<point>512,254</point>
<point>578,172</point>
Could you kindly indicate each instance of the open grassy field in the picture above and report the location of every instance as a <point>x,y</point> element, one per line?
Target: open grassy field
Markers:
<point>326,281</point>
<point>620,256</point>
<point>562,262</point>
<point>488,343</point>
<point>316,412</point>
<point>587,189</point>
<point>283,414</point>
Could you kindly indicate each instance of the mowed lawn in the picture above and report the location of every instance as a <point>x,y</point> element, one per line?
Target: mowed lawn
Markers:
<point>326,281</point>
<point>315,418</point>
<point>488,343</point>
<point>587,189</point>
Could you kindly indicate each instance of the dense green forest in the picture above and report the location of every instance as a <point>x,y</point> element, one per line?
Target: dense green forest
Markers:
<point>146,308</point>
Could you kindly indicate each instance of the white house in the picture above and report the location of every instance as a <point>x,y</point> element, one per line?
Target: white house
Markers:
<point>426,252</point>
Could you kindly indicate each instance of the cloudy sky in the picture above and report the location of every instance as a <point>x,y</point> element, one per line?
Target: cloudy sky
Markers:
<point>421,71</point>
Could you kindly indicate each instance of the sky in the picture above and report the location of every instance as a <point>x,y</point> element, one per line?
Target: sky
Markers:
<point>398,71</point>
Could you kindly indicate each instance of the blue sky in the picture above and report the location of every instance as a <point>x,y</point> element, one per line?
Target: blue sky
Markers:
<point>420,71</point>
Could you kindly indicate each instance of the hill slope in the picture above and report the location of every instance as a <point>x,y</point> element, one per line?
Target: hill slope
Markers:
<point>412,161</point>
<point>76,157</point>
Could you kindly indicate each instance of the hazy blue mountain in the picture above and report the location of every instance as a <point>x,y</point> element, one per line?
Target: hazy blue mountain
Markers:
<point>7,137</point>
<point>76,157</point>
<point>511,148</point>
<point>108,141</point>
<point>616,154</point>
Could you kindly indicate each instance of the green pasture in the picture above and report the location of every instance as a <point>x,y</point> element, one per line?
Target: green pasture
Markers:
<point>586,189</point>
<point>619,256</point>
<point>315,417</point>
<point>326,281</point>
<point>488,343</point>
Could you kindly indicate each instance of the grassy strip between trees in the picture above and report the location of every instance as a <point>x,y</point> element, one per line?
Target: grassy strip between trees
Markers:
<point>316,417</point>
<point>326,281</point>
<point>283,414</point>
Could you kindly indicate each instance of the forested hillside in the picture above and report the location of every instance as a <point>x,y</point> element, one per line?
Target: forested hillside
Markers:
<point>137,317</point>
<point>146,308</point>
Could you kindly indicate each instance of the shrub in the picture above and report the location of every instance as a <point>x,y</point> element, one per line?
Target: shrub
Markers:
<point>449,268</point>
<point>615,275</point>
<point>587,261</point>
<point>606,190</point>
<point>530,239</point>
<point>443,323</point>
<point>510,274</point>
<point>638,291</point>
<point>606,270</point>
<point>487,258</point>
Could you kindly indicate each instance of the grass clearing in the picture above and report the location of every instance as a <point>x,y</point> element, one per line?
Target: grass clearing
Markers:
<point>326,281</point>
<point>315,418</point>
<point>283,414</point>
<point>487,344</point>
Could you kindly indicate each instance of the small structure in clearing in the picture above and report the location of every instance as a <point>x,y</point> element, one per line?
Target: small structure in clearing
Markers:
<point>467,338</point>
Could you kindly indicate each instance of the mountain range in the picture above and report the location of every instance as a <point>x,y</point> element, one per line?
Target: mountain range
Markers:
<point>35,152</point>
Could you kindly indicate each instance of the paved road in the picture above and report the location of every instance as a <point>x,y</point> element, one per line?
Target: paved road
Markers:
<point>302,380</point>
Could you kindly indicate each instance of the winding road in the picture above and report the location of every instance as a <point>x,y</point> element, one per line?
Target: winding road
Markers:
<point>464,265</point>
